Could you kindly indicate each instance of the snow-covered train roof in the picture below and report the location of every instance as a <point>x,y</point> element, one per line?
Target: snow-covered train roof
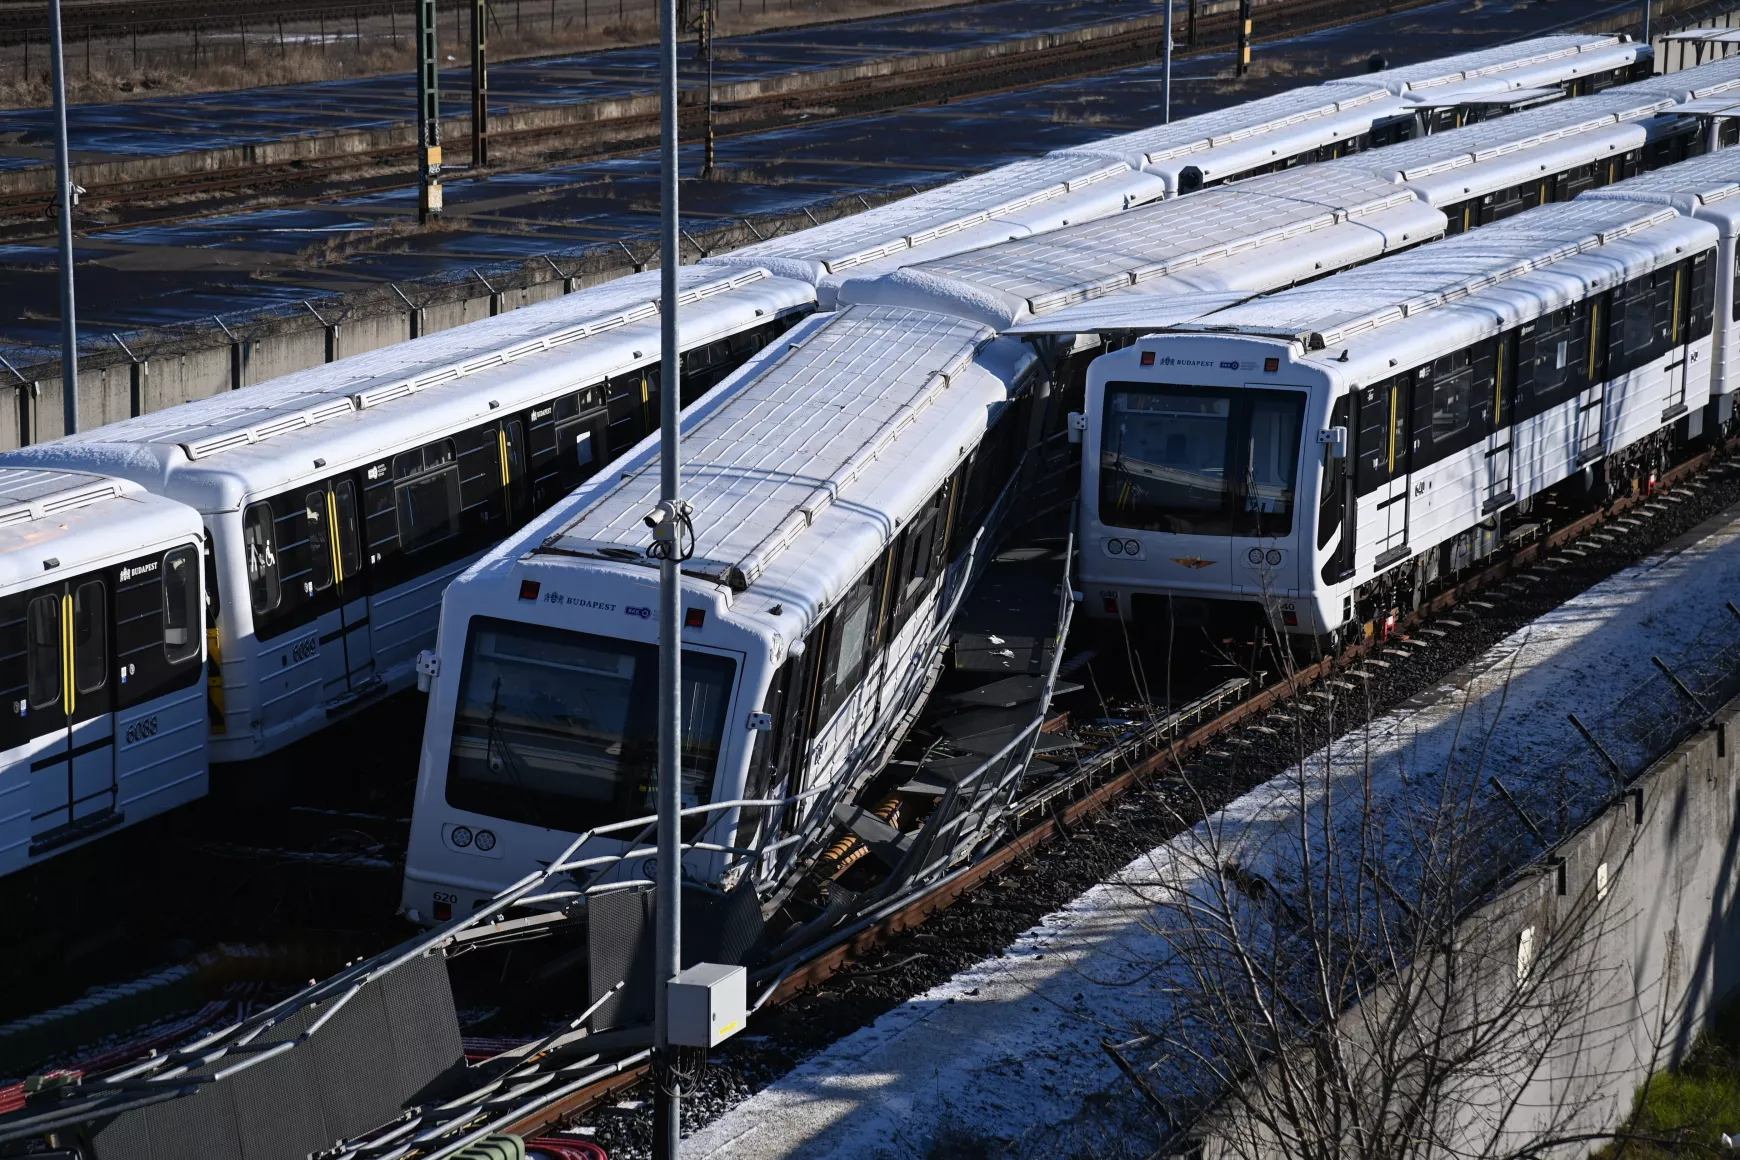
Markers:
<point>1520,65</point>
<point>1688,186</point>
<point>1234,240</point>
<point>1488,140</point>
<point>1011,200</point>
<point>794,433</point>
<point>1327,315</point>
<point>54,523</point>
<point>1103,178</point>
<point>1239,123</point>
<point>356,407</point>
<point>1688,84</point>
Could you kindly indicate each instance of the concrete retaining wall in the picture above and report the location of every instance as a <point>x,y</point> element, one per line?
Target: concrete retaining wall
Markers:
<point>1629,943</point>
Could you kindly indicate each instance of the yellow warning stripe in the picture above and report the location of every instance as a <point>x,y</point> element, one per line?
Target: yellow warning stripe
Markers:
<point>66,654</point>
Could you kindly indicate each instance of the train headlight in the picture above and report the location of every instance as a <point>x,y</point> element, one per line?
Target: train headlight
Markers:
<point>1255,555</point>
<point>1133,547</point>
<point>1115,547</point>
<point>461,836</point>
<point>485,840</point>
<point>1274,557</point>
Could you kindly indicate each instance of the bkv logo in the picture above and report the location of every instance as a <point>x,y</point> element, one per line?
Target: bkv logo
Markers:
<point>643,613</point>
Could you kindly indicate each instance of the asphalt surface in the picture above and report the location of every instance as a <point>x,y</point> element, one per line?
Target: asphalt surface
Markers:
<point>244,264</point>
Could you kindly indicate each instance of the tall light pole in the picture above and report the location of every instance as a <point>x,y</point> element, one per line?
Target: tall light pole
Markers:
<point>1166,72</point>
<point>69,341</point>
<point>667,952</point>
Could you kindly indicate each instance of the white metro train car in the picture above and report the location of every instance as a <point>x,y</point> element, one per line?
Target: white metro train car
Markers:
<point>1318,457</point>
<point>341,500</point>
<point>838,482</point>
<point>102,649</point>
<point>1100,179</point>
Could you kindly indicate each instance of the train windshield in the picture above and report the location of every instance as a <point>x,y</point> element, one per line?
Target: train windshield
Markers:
<point>1199,461</point>
<point>559,729</point>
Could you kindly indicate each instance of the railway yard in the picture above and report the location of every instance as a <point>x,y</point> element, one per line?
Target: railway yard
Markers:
<point>1206,630</point>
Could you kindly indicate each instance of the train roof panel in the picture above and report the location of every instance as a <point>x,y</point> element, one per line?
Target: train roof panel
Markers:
<point>1238,122</point>
<point>208,427</point>
<point>1490,63</point>
<point>54,523</point>
<point>1039,275</point>
<point>1486,140</point>
<point>1710,178</point>
<point>929,217</point>
<point>1327,313</point>
<point>790,438</point>
<point>1704,80</point>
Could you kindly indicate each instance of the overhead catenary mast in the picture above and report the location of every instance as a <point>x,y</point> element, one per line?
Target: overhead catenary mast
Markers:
<point>69,343</point>
<point>667,953</point>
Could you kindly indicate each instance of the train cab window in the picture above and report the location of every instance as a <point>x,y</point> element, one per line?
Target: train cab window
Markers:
<point>90,637</point>
<point>1271,462</point>
<point>1163,458</point>
<point>319,540</point>
<point>260,548</point>
<point>559,729</point>
<point>42,651</point>
<point>181,619</point>
<point>426,493</point>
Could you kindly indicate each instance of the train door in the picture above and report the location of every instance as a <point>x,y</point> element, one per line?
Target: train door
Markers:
<point>1497,489</point>
<point>69,694</point>
<point>335,564</point>
<point>1381,474</point>
<point>516,488</point>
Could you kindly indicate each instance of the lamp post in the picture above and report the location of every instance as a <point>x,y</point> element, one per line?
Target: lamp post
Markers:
<point>69,342</point>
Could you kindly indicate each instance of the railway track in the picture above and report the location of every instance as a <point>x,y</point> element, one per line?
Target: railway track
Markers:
<point>374,170</point>
<point>1067,834</point>
<point>1135,761</point>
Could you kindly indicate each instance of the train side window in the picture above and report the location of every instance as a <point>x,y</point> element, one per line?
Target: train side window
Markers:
<point>1375,442</point>
<point>851,640</point>
<point>180,605</point>
<point>345,529</point>
<point>319,540</point>
<point>90,637</point>
<point>919,553</point>
<point>1734,309</point>
<point>1701,295</point>
<point>259,546</point>
<point>426,493</point>
<point>42,655</point>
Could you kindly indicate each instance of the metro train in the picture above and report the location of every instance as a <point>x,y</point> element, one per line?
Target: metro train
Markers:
<point>1319,459</point>
<point>839,484</point>
<point>342,499</point>
<point>103,611</point>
